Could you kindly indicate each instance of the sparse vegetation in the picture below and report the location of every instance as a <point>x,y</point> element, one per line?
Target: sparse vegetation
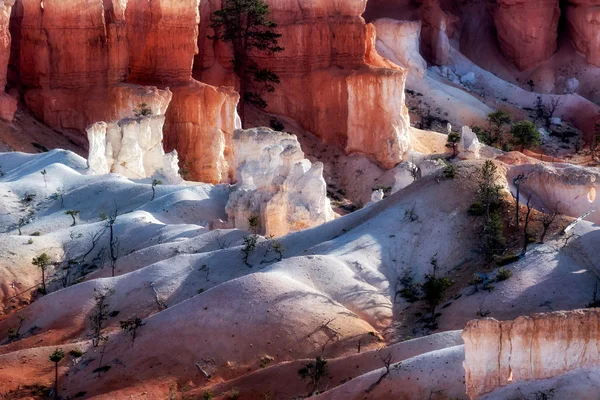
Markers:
<point>503,274</point>
<point>452,142</point>
<point>155,183</point>
<point>497,120</point>
<point>449,171</point>
<point>56,357</point>
<point>314,371</point>
<point>99,315</point>
<point>434,288</point>
<point>142,110</point>
<point>250,241</point>
<point>131,325</point>
<point>525,134</point>
<point>246,25</point>
<point>76,353</point>
<point>73,214</point>
<point>42,262</point>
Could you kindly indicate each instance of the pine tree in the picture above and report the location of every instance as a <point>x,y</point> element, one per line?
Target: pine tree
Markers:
<point>246,25</point>
<point>56,357</point>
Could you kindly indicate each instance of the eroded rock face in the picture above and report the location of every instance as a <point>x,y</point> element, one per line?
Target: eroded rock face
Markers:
<point>583,18</point>
<point>399,41</point>
<point>437,29</point>
<point>527,30</point>
<point>131,147</point>
<point>78,59</point>
<point>570,189</point>
<point>277,184</point>
<point>469,144</point>
<point>200,124</point>
<point>533,347</point>
<point>333,82</point>
<point>8,105</point>
<point>162,40</point>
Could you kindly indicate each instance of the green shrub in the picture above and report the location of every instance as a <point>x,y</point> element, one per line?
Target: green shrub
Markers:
<point>476,209</point>
<point>503,274</point>
<point>76,353</point>
<point>508,260</point>
<point>36,234</point>
<point>208,395</point>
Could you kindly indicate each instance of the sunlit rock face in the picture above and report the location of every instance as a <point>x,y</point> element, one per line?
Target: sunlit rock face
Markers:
<point>83,61</point>
<point>527,30</point>
<point>162,40</point>
<point>437,29</point>
<point>572,190</point>
<point>533,347</point>
<point>276,184</point>
<point>583,18</point>
<point>8,104</point>
<point>399,41</point>
<point>333,82</point>
<point>131,147</point>
<point>200,124</point>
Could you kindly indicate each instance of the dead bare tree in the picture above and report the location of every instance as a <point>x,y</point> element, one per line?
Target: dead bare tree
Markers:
<point>525,233</point>
<point>517,182</point>
<point>100,315</point>
<point>547,220</point>
<point>387,362</point>
<point>551,109</point>
<point>113,244</point>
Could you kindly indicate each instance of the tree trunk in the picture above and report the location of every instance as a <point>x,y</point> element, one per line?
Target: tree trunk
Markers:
<point>55,381</point>
<point>44,280</point>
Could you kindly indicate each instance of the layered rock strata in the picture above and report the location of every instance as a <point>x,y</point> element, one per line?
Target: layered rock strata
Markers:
<point>276,184</point>
<point>583,17</point>
<point>79,61</point>
<point>8,104</point>
<point>527,30</point>
<point>571,190</point>
<point>534,347</point>
<point>437,29</point>
<point>333,82</point>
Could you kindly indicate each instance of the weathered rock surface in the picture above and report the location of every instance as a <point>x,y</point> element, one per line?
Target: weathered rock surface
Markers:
<point>163,38</point>
<point>583,18</point>
<point>572,190</point>
<point>399,41</point>
<point>533,347</point>
<point>277,184</point>
<point>8,104</point>
<point>200,124</point>
<point>437,29</point>
<point>333,82</point>
<point>78,59</point>
<point>469,144</point>
<point>131,147</point>
<point>527,30</point>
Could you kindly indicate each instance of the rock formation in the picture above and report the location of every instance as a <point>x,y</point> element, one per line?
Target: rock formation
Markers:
<point>583,18</point>
<point>8,104</point>
<point>330,68</point>
<point>277,184</point>
<point>572,190</point>
<point>533,347</point>
<point>79,60</point>
<point>437,29</point>
<point>469,144</point>
<point>132,148</point>
<point>399,41</point>
<point>527,30</point>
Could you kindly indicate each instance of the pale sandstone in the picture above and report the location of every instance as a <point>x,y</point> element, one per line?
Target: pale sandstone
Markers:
<point>533,347</point>
<point>277,184</point>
